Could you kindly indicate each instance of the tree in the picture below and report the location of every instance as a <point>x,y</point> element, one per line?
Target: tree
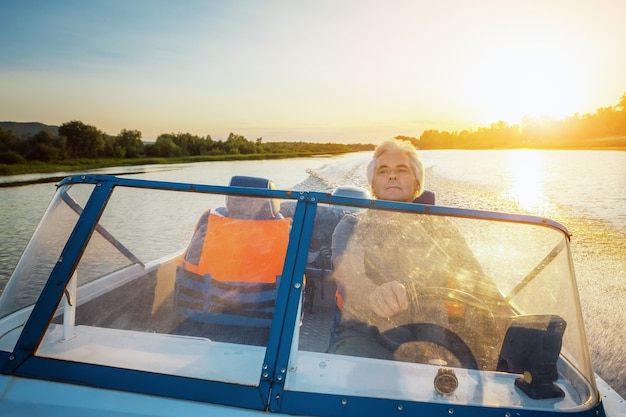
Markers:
<point>209,143</point>
<point>83,141</point>
<point>165,147</point>
<point>11,157</point>
<point>188,143</point>
<point>414,141</point>
<point>112,148</point>
<point>130,142</point>
<point>622,103</point>
<point>237,144</point>
<point>258,145</point>
<point>45,147</point>
<point>9,141</point>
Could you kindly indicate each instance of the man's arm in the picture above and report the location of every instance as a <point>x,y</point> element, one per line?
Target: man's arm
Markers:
<point>359,291</point>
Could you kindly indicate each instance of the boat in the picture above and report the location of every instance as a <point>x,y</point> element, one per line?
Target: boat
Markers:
<point>111,310</point>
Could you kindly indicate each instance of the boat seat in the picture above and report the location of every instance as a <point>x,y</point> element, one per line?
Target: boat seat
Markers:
<point>319,261</point>
<point>230,273</point>
<point>318,266</point>
<point>251,208</point>
<point>427,197</point>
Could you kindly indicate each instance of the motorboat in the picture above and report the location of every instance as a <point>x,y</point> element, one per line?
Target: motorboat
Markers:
<point>140,297</point>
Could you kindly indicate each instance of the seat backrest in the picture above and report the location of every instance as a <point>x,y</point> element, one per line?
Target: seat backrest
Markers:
<point>251,207</point>
<point>351,191</point>
<point>427,197</point>
<point>327,217</point>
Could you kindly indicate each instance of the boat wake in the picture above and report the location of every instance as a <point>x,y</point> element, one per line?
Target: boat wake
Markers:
<point>351,171</point>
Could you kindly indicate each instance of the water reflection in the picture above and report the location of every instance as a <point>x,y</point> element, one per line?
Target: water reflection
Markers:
<point>527,175</point>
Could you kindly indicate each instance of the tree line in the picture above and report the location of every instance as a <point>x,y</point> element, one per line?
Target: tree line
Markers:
<point>77,140</point>
<point>606,128</point>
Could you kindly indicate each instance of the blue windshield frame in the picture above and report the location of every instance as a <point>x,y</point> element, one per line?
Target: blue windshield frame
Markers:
<point>269,394</point>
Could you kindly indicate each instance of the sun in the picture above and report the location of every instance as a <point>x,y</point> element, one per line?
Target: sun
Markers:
<point>527,78</point>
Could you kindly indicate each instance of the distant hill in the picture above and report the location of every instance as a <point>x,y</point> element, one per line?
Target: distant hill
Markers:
<point>24,130</point>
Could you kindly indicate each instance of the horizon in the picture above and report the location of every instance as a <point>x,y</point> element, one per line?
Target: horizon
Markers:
<point>352,72</point>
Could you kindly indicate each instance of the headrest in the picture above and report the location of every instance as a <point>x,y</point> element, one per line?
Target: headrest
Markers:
<point>252,207</point>
<point>427,197</point>
<point>351,191</point>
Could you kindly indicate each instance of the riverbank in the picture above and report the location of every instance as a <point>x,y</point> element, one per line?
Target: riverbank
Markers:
<point>69,166</point>
<point>37,167</point>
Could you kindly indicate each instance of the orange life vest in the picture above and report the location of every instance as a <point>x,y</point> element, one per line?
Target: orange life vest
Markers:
<point>231,271</point>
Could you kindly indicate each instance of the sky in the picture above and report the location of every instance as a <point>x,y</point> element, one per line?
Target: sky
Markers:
<point>353,71</point>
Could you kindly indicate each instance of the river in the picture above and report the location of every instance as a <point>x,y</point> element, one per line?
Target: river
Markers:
<point>583,190</point>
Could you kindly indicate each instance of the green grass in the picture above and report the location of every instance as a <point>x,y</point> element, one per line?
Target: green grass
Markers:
<point>85,164</point>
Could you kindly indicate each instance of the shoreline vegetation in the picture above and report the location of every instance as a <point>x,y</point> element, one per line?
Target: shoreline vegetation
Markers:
<point>38,149</point>
<point>32,148</point>
<point>90,164</point>
<point>73,165</point>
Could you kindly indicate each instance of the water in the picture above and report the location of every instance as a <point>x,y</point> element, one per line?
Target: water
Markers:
<point>583,190</point>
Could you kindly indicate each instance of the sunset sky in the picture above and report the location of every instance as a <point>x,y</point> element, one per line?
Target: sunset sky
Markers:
<point>327,70</point>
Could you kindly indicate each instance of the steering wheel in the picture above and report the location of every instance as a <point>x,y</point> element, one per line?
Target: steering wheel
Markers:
<point>393,338</point>
<point>457,321</point>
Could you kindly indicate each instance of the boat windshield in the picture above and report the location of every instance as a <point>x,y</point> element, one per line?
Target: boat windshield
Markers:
<point>166,280</point>
<point>415,296</point>
<point>399,302</point>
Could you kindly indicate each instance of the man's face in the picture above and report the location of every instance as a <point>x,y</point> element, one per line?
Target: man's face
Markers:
<point>393,179</point>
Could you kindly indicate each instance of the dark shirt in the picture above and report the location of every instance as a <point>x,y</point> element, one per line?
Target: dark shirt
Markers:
<point>422,252</point>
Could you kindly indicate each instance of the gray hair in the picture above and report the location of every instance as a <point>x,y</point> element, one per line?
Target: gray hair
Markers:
<point>417,168</point>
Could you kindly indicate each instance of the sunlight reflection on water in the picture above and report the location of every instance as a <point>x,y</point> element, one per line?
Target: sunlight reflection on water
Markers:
<point>557,184</point>
<point>526,168</point>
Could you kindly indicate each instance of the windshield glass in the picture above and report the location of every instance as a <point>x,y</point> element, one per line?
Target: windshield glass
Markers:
<point>173,282</point>
<point>439,293</point>
<point>439,304</point>
<point>43,250</point>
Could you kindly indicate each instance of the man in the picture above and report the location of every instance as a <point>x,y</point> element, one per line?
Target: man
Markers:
<point>395,173</point>
<point>386,261</point>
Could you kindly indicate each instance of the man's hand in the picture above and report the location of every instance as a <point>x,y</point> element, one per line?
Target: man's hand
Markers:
<point>388,299</point>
